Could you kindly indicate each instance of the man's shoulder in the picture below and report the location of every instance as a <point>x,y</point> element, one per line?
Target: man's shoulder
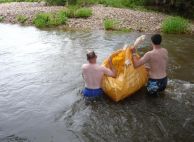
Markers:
<point>149,53</point>
<point>84,66</point>
<point>102,68</point>
<point>165,50</point>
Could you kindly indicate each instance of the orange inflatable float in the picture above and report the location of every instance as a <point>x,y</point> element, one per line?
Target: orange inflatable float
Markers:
<point>128,79</point>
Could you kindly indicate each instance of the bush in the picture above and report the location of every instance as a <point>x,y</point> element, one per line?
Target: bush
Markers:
<point>110,24</point>
<point>50,19</point>
<point>175,25</point>
<point>21,19</point>
<point>42,20</point>
<point>83,13</point>
<point>60,18</point>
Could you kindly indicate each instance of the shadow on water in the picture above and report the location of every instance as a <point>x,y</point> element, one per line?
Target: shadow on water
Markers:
<point>40,85</point>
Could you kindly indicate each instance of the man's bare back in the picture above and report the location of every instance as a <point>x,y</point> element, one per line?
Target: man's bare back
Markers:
<point>157,61</point>
<point>93,73</point>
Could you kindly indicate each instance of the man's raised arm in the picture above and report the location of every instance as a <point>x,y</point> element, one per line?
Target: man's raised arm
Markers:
<point>139,62</point>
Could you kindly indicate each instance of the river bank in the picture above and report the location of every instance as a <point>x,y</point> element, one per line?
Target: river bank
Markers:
<point>128,19</point>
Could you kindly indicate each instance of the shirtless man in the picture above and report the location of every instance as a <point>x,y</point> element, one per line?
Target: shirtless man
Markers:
<point>93,74</point>
<point>157,59</point>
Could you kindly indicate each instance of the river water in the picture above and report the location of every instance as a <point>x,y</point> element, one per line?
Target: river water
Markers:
<point>40,85</point>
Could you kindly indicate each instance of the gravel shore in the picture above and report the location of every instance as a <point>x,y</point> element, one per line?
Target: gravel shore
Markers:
<point>130,19</point>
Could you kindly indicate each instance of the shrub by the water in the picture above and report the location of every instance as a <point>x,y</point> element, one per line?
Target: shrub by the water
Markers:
<point>83,13</point>
<point>42,20</point>
<point>60,18</point>
<point>22,19</point>
<point>175,25</point>
<point>50,19</point>
<point>110,24</point>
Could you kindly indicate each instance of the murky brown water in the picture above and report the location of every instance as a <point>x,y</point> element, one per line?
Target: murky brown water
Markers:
<point>40,84</point>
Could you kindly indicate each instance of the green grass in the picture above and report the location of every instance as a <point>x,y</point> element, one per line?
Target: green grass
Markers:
<point>43,20</point>
<point>21,19</point>
<point>125,29</point>
<point>60,18</point>
<point>77,12</point>
<point>70,11</point>
<point>175,25</point>
<point>110,24</point>
<point>1,18</point>
<point>83,13</point>
<point>114,25</point>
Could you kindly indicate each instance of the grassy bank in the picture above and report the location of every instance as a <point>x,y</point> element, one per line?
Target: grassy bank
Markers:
<point>93,17</point>
<point>110,24</point>
<point>43,20</point>
<point>175,25</point>
<point>173,7</point>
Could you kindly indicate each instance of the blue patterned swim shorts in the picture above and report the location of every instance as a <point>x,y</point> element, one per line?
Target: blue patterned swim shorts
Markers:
<point>156,85</point>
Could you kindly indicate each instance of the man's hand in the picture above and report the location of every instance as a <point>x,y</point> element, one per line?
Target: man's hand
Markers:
<point>116,52</point>
<point>133,50</point>
<point>110,61</point>
<point>112,67</point>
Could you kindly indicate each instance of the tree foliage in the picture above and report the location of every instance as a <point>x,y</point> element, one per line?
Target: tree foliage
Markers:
<point>181,7</point>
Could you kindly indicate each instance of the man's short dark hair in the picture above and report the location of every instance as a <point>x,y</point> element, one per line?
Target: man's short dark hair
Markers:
<point>91,55</point>
<point>156,39</point>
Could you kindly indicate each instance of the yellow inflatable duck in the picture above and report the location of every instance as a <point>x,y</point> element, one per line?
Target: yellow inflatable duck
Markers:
<point>128,79</point>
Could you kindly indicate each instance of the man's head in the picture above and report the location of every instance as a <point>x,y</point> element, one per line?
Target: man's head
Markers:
<point>91,57</point>
<point>156,39</point>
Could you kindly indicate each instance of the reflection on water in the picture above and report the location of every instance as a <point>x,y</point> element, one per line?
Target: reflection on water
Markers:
<point>40,84</point>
